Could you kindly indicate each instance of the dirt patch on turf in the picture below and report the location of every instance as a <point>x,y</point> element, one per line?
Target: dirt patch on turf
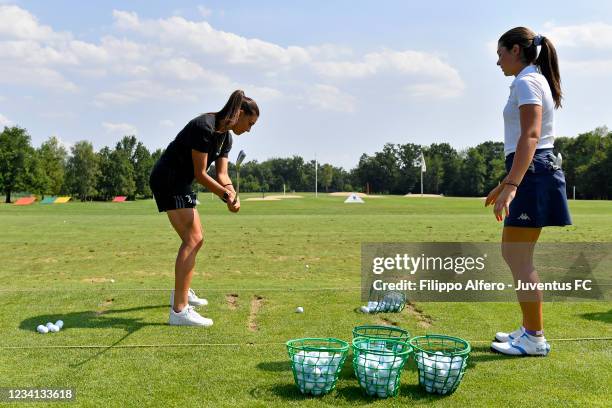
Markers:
<point>410,195</point>
<point>423,320</point>
<point>346,194</point>
<point>383,321</point>
<point>232,301</point>
<point>262,199</point>
<point>256,304</point>
<point>97,280</point>
<point>281,197</point>
<point>104,306</point>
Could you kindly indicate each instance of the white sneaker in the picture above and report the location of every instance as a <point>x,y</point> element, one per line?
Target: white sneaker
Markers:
<point>502,337</point>
<point>524,345</point>
<point>188,317</point>
<point>192,299</point>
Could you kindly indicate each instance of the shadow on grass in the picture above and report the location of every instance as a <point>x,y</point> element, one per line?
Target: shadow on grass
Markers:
<point>486,357</point>
<point>605,317</point>
<point>95,320</point>
<point>275,366</point>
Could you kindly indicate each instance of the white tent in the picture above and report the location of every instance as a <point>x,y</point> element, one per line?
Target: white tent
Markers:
<point>353,198</point>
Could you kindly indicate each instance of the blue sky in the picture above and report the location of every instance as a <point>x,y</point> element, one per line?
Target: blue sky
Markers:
<point>335,79</point>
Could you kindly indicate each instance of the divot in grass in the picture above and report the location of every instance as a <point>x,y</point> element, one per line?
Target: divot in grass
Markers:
<point>232,301</point>
<point>256,304</point>
<point>423,320</point>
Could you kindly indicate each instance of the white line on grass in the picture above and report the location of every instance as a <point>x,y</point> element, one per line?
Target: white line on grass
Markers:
<point>93,346</point>
<point>169,289</point>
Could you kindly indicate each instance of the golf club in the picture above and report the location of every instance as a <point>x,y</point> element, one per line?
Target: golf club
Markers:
<point>239,161</point>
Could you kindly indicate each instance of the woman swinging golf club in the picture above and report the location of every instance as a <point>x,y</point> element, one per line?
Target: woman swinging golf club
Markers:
<point>204,140</point>
<point>533,194</point>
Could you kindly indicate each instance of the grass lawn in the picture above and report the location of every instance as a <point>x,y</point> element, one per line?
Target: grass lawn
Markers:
<point>106,270</point>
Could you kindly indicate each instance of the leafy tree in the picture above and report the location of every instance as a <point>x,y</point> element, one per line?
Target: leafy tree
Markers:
<point>15,159</point>
<point>82,171</point>
<point>52,158</point>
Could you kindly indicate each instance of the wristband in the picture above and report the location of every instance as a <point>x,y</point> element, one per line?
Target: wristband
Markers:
<point>225,197</point>
<point>512,184</point>
<point>229,184</point>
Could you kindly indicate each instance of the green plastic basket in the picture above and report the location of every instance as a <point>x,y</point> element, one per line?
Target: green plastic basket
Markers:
<point>381,332</point>
<point>378,364</point>
<point>316,363</point>
<point>441,362</point>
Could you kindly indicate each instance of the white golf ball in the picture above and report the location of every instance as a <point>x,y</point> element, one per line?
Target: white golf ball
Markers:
<point>59,324</point>
<point>54,329</point>
<point>42,329</point>
<point>49,325</point>
<point>307,266</point>
<point>299,309</point>
<point>364,309</point>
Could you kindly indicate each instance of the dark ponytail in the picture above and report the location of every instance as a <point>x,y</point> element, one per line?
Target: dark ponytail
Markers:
<point>549,67</point>
<point>227,117</point>
<point>547,60</point>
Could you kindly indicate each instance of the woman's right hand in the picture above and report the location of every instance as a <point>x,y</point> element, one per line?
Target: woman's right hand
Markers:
<point>492,197</point>
<point>233,203</point>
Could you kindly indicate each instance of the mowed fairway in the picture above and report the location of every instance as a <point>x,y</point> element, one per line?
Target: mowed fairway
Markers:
<point>58,262</point>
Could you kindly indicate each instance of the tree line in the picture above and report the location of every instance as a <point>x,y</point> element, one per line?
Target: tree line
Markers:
<point>124,170</point>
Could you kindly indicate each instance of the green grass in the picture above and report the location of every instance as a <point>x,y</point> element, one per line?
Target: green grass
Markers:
<point>58,260</point>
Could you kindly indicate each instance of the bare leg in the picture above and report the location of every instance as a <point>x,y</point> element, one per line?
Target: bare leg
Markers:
<point>186,222</point>
<point>518,245</point>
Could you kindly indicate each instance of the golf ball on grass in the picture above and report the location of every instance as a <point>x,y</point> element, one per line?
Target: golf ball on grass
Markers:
<point>299,309</point>
<point>42,329</point>
<point>59,324</point>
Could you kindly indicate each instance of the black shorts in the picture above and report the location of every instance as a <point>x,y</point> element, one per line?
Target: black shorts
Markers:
<point>169,193</point>
<point>168,201</point>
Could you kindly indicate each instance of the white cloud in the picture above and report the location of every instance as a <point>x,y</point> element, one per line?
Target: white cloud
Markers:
<point>37,76</point>
<point>426,74</point>
<point>139,90</point>
<point>589,67</point>
<point>330,98</point>
<point>186,70</point>
<point>4,121</point>
<point>21,24</point>
<point>594,35</point>
<point>120,128</point>
<point>202,37</point>
<point>204,11</point>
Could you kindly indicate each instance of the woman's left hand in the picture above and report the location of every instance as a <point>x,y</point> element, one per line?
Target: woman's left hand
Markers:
<point>502,203</point>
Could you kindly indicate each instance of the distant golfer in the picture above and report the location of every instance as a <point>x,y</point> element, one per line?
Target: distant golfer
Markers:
<point>533,194</point>
<point>205,139</point>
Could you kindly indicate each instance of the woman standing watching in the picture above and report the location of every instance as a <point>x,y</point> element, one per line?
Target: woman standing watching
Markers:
<point>204,140</point>
<point>533,194</point>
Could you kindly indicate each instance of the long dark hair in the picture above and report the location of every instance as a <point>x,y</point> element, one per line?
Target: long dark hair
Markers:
<point>227,117</point>
<point>547,61</point>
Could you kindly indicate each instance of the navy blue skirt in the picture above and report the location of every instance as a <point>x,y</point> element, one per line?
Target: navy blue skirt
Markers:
<point>540,199</point>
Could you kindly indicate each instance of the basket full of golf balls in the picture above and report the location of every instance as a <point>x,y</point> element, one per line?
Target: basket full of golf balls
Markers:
<point>316,363</point>
<point>441,362</point>
<point>385,302</point>
<point>378,364</point>
<point>381,332</point>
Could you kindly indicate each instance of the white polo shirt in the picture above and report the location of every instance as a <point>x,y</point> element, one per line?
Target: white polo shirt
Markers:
<point>529,88</point>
